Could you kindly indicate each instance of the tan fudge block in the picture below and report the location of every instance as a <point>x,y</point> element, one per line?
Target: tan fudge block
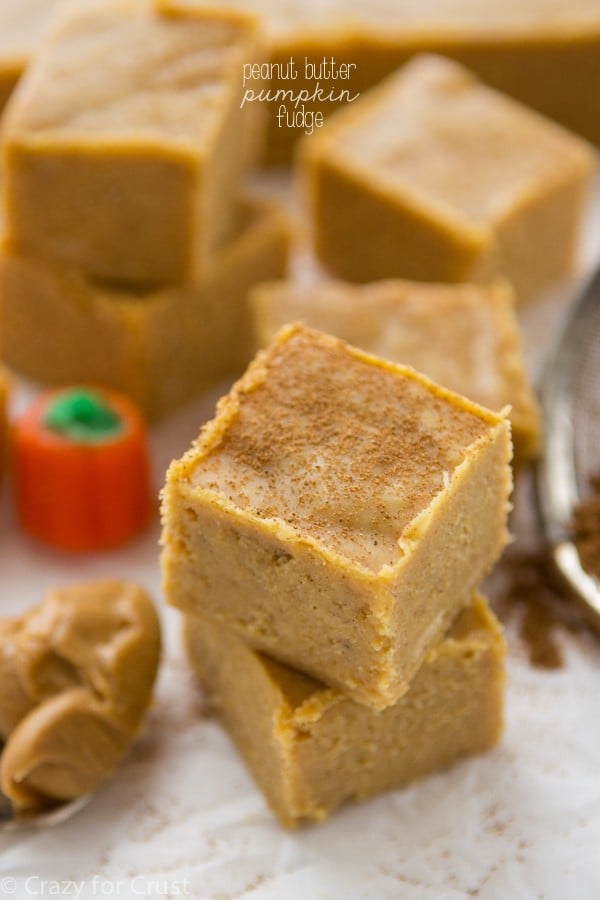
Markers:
<point>465,337</point>
<point>311,748</point>
<point>434,177</point>
<point>544,53</point>
<point>337,513</point>
<point>130,170</point>
<point>160,348</point>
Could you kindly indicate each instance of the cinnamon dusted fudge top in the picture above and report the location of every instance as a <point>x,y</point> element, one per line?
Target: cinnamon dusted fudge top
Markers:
<point>343,447</point>
<point>434,134</point>
<point>169,75</point>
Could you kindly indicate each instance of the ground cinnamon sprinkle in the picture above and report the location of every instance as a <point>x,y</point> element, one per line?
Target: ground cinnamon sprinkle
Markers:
<point>586,529</point>
<point>531,591</point>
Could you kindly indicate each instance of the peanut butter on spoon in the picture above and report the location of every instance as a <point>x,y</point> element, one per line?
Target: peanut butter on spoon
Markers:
<point>76,678</point>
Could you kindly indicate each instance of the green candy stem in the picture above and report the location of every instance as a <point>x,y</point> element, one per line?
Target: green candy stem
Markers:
<point>83,417</point>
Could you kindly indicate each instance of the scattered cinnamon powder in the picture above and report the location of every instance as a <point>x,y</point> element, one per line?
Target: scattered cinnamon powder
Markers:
<point>586,529</point>
<point>532,592</point>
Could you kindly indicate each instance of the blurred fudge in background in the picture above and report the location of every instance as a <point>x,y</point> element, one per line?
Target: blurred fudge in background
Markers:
<point>128,247</point>
<point>435,177</point>
<point>465,337</point>
<point>545,53</point>
<point>131,171</point>
<point>162,347</point>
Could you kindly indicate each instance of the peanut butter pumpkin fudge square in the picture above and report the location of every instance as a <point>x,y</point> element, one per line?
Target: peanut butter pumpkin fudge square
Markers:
<point>311,748</point>
<point>161,347</point>
<point>432,176</point>
<point>465,337</point>
<point>337,513</point>
<point>125,146</point>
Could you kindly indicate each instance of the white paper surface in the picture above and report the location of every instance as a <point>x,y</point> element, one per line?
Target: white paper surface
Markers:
<point>183,817</point>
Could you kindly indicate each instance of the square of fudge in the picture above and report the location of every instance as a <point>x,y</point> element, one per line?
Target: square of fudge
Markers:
<point>433,176</point>
<point>465,336</point>
<point>124,149</point>
<point>311,748</point>
<point>337,513</point>
<point>160,347</point>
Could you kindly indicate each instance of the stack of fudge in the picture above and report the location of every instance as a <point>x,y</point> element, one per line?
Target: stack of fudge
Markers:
<point>325,537</point>
<point>128,247</point>
<point>326,534</point>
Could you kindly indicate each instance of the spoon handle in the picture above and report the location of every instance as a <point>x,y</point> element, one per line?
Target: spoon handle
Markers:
<point>570,397</point>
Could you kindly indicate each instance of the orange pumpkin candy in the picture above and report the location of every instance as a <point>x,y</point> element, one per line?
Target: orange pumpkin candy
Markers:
<point>81,469</point>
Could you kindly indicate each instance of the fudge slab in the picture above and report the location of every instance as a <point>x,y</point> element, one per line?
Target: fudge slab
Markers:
<point>130,171</point>
<point>311,748</point>
<point>465,337</point>
<point>161,348</point>
<point>544,53</point>
<point>337,513</point>
<point>434,177</point>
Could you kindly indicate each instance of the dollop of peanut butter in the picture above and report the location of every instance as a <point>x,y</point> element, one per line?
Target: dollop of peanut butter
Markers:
<point>76,678</point>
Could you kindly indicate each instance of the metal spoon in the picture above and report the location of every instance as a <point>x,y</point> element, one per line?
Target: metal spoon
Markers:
<point>13,820</point>
<point>570,398</point>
